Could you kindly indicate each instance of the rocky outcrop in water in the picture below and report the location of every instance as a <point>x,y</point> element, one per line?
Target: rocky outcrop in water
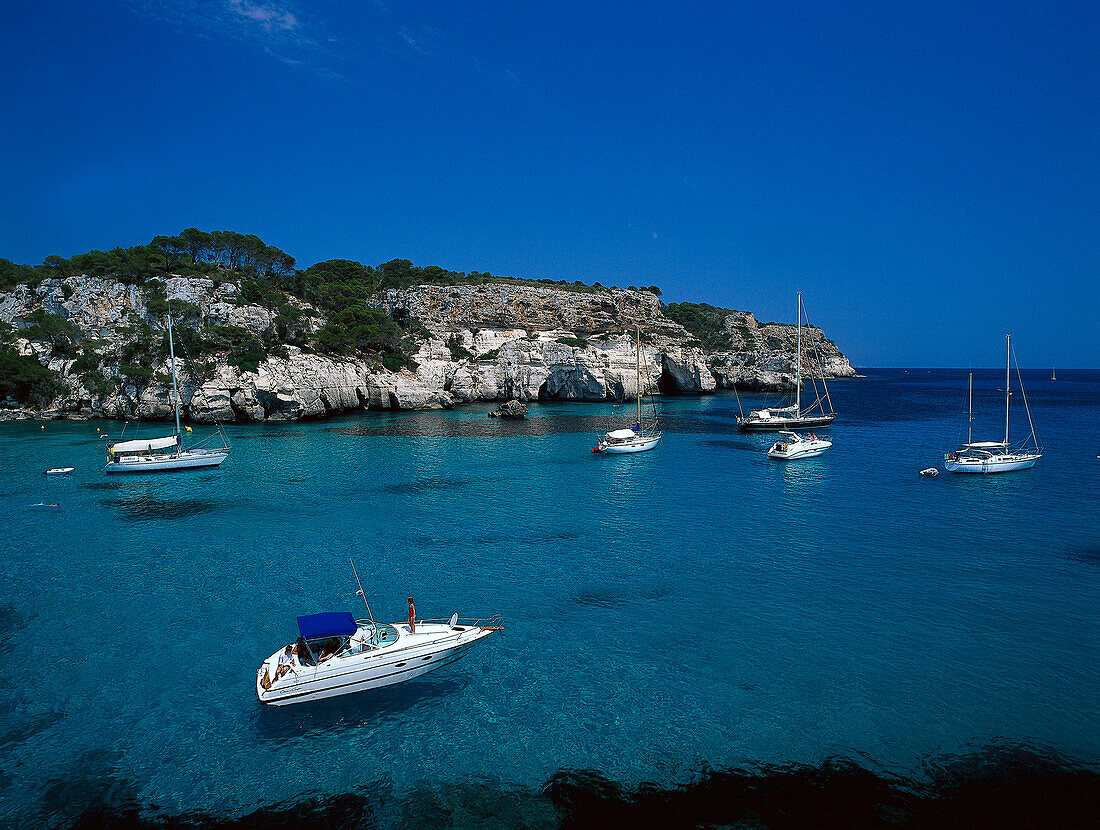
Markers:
<point>489,342</point>
<point>510,409</point>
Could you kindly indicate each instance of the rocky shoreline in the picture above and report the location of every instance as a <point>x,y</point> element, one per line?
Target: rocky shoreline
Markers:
<point>488,342</point>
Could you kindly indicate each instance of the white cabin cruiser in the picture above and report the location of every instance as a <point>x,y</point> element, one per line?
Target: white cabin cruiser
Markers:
<point>336,654</point>
<point>794,446</point>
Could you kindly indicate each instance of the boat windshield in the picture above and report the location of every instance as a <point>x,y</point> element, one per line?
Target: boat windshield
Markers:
<point>384,634</point>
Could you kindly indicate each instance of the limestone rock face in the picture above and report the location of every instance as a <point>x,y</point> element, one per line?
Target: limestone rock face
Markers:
<point>490,342</point>
<point>504,306</point>
<point>685,372</point>
<point>763,356</point>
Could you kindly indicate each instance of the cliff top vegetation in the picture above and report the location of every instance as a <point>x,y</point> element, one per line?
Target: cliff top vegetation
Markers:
<point>344,290</point>
<point>229,255</point>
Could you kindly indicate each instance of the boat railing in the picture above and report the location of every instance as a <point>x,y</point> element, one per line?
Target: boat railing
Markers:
<point>493,623</point>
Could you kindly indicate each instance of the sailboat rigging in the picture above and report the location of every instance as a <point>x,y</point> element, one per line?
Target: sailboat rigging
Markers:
<point>643,435</point>
<point>996,456</point>
<point>794,416</point>
<point>165,453</point>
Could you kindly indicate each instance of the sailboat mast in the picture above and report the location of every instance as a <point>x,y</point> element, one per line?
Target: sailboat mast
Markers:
<point>798,363</point>
<point>175,389</point>
<point>970,414</point>
<point>1008,380</point>
<point>638,374</point>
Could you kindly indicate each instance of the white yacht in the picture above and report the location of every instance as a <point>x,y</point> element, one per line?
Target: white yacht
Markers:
<point>643,435</point>
<point>794,446</point>
<point>166,453</point>
<point>336,654</point>
<point>995,456</point>
<point>778,419</point>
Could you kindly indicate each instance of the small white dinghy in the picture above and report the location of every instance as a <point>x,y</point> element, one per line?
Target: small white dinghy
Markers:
<point>930,472</point>
<point>59,471</point>
<point>792,446</point>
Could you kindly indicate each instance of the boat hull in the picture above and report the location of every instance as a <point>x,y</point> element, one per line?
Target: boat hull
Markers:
<point>636,445</point>
<point>1005,464</point>
<point>780,424</point>
<point>373,670</point>
<point>187,460</point>
<point>793,453</point>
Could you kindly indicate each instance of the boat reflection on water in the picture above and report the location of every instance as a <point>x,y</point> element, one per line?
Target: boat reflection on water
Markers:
<point>388,706</point>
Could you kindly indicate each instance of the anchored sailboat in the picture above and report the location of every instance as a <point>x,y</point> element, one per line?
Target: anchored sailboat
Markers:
<point>995,456</point>
<point>640,437</point>
<point>146,454</point>
<point>794,416</point>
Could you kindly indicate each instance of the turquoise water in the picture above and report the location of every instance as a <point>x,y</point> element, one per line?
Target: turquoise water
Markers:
<point>696,607</point>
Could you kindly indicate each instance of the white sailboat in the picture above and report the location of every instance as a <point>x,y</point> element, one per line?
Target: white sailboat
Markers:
<point>995,456</point>
<point>794,416</point>
<point>165,453</point>
<point>640,437</point>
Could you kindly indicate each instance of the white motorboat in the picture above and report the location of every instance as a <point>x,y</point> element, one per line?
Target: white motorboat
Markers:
<point>644,435</point>
<point>145,454</point>
<point>778,419</point>
<point>929,472</point>
<point>794,446</point>
<point>996,456</point>
<point>338,655</point>
<point>59,471</point>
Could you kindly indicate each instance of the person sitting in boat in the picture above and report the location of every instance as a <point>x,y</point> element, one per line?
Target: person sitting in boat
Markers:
<point>326,650</point>
<point>286,662</point>
<point>811,437</point>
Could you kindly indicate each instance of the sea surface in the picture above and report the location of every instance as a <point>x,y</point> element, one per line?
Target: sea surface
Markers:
<point>677,621</point>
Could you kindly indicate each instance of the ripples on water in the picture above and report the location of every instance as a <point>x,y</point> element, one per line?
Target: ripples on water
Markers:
<point>148,508</point>
<point>692,633</point>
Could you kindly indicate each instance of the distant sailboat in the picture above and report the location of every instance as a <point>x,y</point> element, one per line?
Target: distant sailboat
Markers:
<point>794,416</point>
<point>145,454</point>
<point>640,437</point>
<point>995,456</point>
<point>1052,375</point>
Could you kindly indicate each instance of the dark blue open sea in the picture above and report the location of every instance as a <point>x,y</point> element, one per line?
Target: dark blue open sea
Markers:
<point>695,635</point>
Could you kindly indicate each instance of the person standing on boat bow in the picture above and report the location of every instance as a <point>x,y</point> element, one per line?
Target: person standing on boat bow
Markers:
<point>412,616</point>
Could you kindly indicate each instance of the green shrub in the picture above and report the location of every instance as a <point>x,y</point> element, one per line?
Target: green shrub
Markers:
<point>61,333</point>
<point>454,344</point>
<point>575,342</point>
<point>25,379</point>
<point>156,298</point>
<point>12,275</point>
<point>704,321</point>
<point>87,363</point>
<point>139,375</point>
<point>358,328</point>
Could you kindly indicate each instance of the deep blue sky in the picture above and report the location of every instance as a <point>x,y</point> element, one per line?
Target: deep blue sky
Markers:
<point>926,173</point>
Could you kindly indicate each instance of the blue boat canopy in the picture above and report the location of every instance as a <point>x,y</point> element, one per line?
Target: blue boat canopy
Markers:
<point>331,624</point>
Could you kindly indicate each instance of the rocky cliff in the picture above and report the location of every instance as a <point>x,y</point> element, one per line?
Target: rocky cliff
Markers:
<point>488,342</point>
